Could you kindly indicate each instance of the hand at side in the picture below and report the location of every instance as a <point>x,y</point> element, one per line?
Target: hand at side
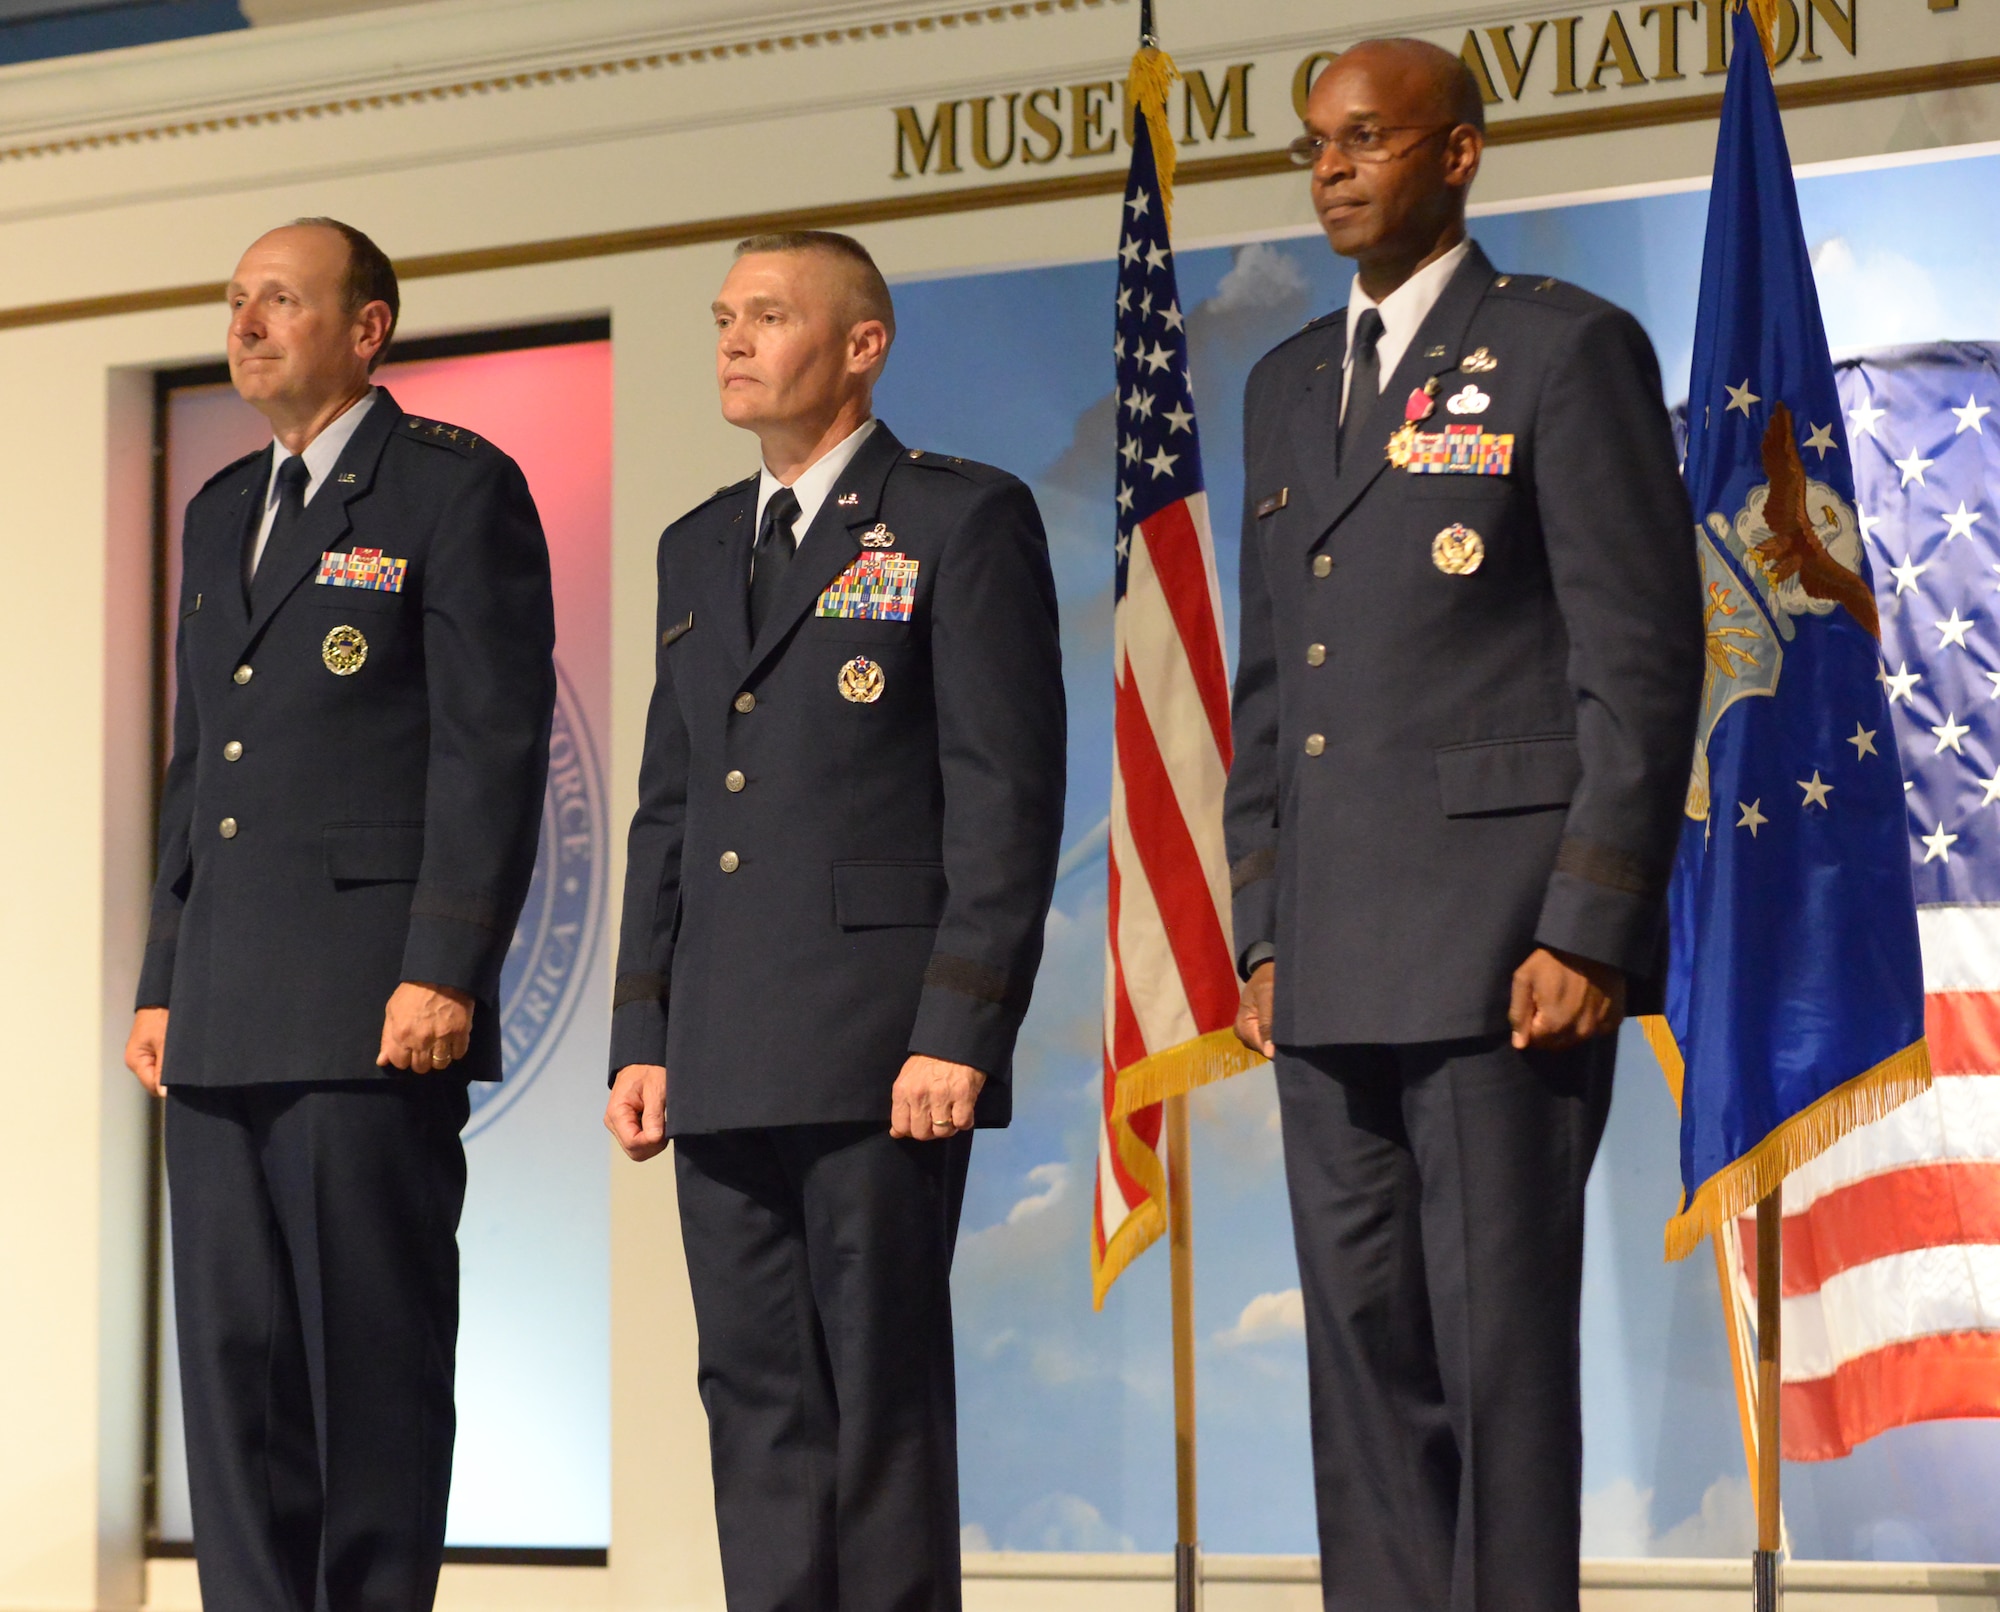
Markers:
<point>425,1027</point>
<point>1561,999</point>
<point>637,1111</point>
<point>1253,1013</point>
<point>934,1099</point>
<point>145,1049</point>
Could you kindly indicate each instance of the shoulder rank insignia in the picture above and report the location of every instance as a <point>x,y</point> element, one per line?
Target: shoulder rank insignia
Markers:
<point>1277,501</point>
<point>678,630</point>
<point>876,587</point>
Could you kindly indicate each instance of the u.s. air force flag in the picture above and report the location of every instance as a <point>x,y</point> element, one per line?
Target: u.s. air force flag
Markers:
<point>1795,1000</point>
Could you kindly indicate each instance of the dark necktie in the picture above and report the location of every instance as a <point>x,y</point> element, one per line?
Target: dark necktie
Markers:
<point>1364,381</point>
<point>292,479</point>
<point>773,556</point>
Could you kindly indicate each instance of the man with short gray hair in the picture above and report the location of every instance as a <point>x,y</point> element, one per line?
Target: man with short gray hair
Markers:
<point>850,810</point>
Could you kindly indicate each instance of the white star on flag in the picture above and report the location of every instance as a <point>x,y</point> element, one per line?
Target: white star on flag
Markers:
<point>1741,397</point>
<point>1906,575</point>
<point>1821,438</point>
<point>1864,419</point>
<point>1970,416</point>
<point>1179,418</point>
<point>1913,468</point>
<point>1994,679</point>
<point>1954,630</point>
<point>1816,792</point>
<point>1162,462</point>
<point>1751,819</point>
<point>1938,844</point>
<point>1958,523</point>
<point>1863,741</point>
<point>1129,252</point>
<point>1141,200</point>
<point>1900,682</point>
<point>1949,735</point>
<point>1158,358</point>
<point>1124,500</point>
<point>1992,788</point>
<point>1172,318</point>
<point>1156,257</point>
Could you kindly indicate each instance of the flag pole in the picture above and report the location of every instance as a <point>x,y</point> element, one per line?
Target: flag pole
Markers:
<point>1180,1247</point>
<point>1765,1593</point>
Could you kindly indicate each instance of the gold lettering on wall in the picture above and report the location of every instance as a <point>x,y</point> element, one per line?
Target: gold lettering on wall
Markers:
<point>1627,46</point>
<point>1207,108</point>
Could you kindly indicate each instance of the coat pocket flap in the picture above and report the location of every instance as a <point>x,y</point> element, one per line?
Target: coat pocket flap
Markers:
<point>1507,775</point>
<point>367,852</point>
<point>874,895</point>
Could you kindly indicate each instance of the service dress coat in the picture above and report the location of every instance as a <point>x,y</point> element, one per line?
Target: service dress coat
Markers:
<point>847,831</point>
<point>1465,705</point>
<point>356,785</point>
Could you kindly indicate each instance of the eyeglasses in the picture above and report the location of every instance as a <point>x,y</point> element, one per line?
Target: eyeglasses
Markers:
<point>1361,142</point>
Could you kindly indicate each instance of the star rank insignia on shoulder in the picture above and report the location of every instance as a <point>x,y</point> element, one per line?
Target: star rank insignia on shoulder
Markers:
<point>441,435</point>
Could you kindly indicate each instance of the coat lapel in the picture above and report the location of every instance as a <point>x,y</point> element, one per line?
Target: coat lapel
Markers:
<point>832,541</point>
<point>222,583</point>
<point>729,582</point>
<point>1445,327</point>
<point>1315,422</point>
<point>289,561</point>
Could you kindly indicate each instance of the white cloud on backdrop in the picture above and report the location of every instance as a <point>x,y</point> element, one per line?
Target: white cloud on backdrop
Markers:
<point>1267,1318</point>
<point>1261,277</point>
<point>1618,1522</point>
<point>1051,1182</point>
<point>1064,1522</point>
<point>1873,297</point>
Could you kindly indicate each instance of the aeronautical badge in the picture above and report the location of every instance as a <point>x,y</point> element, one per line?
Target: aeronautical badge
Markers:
<point>878,537</point>
<point>344,650</point>
<point>1468,399</point>
<point>861,681</point>
<point>1479,362</point>
<point>1457,550</point>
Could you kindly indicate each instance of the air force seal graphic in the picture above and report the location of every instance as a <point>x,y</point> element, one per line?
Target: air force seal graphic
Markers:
<point>556,938</point>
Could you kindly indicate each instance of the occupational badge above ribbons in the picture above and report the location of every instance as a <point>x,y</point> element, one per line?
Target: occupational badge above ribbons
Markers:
<point>861,681</point>
<point>344,650</point>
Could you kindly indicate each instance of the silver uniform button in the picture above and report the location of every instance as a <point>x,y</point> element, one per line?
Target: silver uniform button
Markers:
<point>1315,654</point>
<point>746,702</point>
<point>233,751</point>
<point>730,862</point>
<point>733,782</point>
<point>241,674</point>
<point>229,828</point>
<point>1315,744</point>
<point>1322,565</point>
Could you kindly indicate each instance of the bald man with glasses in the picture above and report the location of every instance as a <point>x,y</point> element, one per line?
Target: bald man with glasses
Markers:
<point>1465,702</point>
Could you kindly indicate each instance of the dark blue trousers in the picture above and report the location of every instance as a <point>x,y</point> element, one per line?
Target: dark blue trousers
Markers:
<point>316,1288</point>
<point>1437,1205</point>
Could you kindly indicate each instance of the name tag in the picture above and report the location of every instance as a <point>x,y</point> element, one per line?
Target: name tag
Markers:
<point>361,568</point>
<point>876,587</point>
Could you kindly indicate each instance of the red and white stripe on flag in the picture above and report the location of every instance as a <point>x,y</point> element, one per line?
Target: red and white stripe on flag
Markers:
<point>1170,987</point>
<point>1891,1311</point>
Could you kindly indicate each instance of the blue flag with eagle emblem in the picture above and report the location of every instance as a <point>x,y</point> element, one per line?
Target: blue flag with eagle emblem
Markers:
<point>1795,997</point>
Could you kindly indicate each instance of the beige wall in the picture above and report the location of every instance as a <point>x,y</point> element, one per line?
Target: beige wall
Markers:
<point>467,169</point>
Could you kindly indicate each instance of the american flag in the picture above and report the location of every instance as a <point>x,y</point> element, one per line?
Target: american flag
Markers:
<point>1170,982</point>
<point>1892,1236</point>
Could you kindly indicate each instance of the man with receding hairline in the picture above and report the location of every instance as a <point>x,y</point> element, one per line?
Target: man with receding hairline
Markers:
<point>364,683</point>
<point>1465,699</point>
<point>850,809</point>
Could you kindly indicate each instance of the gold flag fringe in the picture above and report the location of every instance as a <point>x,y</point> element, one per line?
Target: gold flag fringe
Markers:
<point>1653,1026</point>
<point>1764,14</point>
<point>1144,1226</point>
<point>1146,86</point>
<point>1174,1071</point>
<point>1740,1185</point>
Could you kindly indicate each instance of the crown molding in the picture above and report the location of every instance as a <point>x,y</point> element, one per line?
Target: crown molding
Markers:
<point>438,51</point>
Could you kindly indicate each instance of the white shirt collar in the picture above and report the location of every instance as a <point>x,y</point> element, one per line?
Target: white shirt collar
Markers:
<point>1404,309</point>
<point>324,451</point>
<point>815,481</point>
